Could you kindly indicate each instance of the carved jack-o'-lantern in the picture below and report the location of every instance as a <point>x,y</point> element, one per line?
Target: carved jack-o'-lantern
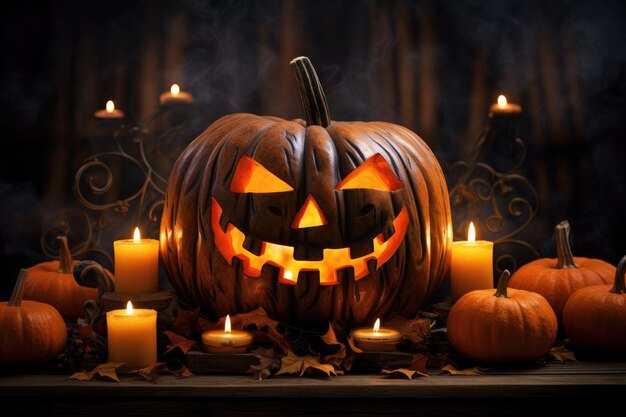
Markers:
<point>312,221</point>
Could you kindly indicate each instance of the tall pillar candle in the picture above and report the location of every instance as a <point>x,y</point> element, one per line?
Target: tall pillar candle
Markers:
<point>136,264</point>
<point>472,265</point>
<point>131,337</point>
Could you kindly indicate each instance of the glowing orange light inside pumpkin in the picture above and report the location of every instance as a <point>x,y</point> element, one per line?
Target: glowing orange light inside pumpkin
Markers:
<point>175,89</point>
<point>376,327</point>
<point>129,308</point>
<point>136,235</point>
<point>471,233</point>
<point>310,215</point>
<point>375,173</point>
<point>227,328</point>
<point>252,177</point>
<point>110,107</point>
<point>230,245</point>
<point>502,101</point>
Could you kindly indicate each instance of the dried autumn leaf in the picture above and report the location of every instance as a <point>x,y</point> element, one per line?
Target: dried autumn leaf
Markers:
<point>419,363</point>
<point>269,360</point>
<point>106,371</point>
<point>310,362</point>
<point>152,372</point>
<point>562,354</point>
<point>189,323</point>
<point>354,348</point>
<point>294,364</point>
<point>409,373</point>
<point>183,372</point>
<point>180,342</point>
<point>330,338</point>
<point>469,371</point>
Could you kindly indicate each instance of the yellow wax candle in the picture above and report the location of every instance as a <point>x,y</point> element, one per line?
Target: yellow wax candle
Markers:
<point>376,338</point>
<point>136,264</point>
<point>227,340</point>
<point>504,107</point>
<point>176,96</point>
<point>132,336</point>
<point>109,112</point>
<point>472,265</point>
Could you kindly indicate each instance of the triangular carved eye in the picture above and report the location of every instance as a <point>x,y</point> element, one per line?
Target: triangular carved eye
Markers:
<point>252,177</point>
<point>374,174</point>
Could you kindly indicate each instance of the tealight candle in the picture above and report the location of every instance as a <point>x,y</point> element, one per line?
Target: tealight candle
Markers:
<point>136,264</point>
<point>131,335</point>
<point>109,112</point>
<point>227,340</point>
<point>504,107</point>
<point>471,265</point>
<point>376,338</point>
<point>175,96</point>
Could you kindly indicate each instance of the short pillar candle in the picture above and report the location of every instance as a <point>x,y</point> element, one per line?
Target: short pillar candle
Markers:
<point>131,335</point>
<point>136,265</point>
<point>471,266</point>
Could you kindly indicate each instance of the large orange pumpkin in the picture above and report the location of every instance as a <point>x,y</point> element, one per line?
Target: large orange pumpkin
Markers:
<point>557,279</point>
<point>313,221</point>
<point>595,317</point>
<point>53,283</point>
<point>30,332</point>
<point>506,326</point>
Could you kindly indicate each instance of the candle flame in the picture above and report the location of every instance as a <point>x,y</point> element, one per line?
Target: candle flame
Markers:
<point>129,308</point>
<point>175,89</point>
<point>502,101</point>
<point>471,233</point>
<point>110,107</point>
<point>376,326</point>
<point>227,328</point>
<point>136,235</point>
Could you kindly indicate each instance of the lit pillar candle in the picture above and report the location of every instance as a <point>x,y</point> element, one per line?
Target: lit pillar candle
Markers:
<point>136,264</point>
<point>227,340</point>
<point>376,338</point>
<point>472,265</point>
<point>175,96</point>
<point>109,112</point>
<point>504,107</point>
<point>131,335</point>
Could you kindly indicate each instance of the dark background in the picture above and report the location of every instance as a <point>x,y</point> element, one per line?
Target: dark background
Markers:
<point>433,66</point>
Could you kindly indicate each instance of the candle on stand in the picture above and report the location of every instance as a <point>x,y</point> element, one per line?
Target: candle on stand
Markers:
<point>472,265</point>
<point>109,112</point>
<point>376,338</point>
<point>175,96</point>
<point>136,264</point>
<point>503,107</point>
<point>227,340</point>
<point>131,337</point>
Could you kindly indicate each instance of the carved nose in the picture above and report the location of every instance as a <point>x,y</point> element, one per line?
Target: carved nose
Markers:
<point>310,215</point>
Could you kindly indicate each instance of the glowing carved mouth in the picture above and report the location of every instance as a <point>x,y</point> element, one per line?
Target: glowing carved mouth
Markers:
<point>230,245</point>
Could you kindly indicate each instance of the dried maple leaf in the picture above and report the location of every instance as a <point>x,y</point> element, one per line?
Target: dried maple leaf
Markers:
<point>152,372</point>
<point>409,373</point>
<point>415,330</point>
<point>469,371</point>
<point>419,363</point>
<point>330,338</point>
<point>180,342</point>
<point>189,323</point>
<point>106,371</point>
<point>269,360</point>
<point>353,346</point>
<point>562,354</point>
<point>310,363</point>
<point>294,364</point>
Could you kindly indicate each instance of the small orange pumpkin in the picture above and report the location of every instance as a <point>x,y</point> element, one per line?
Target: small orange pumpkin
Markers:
<point>30,332</point>
<point>595,317</point>
<point>557,279</point>
<point>53,283</point>
<point>506,326</point>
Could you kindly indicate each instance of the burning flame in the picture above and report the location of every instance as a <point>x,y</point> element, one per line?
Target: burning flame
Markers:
<point>471,233</point>
<point>376,326</point>
<point>129,308</point>
<point>136,235</point>
<point>227,328</point>
<point>175,89</point>
<point>288,275</point>
<point>502,101</point>
<point>110,107</point>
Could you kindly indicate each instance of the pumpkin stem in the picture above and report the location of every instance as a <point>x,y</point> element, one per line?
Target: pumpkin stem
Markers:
<point>312,94</point>
<point>564,257</point>
<point>66,263</point>
<point>18,289</point>
<point>620,286</point>
<point>503,284</point>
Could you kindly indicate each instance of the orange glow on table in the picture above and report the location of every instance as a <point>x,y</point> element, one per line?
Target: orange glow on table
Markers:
<point>136,264</point>
<point>227,340</point>
<point>131,336</point>
<point>472,265</point>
